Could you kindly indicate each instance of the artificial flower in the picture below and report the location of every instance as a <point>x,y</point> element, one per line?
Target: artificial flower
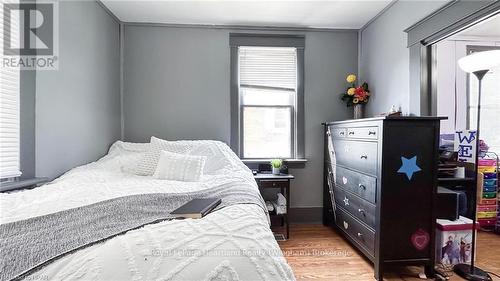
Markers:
<point>351,78</point>
<point>360,93</point>
<point>355,94</point>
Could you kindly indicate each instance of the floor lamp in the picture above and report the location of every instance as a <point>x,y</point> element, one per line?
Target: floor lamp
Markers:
<point>478,64</point>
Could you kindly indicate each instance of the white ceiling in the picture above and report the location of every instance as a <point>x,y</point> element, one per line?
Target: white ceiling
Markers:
<point>488,28</point>
<point>303,14</point>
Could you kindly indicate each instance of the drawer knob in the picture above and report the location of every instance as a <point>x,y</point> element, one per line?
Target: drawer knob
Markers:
<point>361,211</point>
<point>364,157</point>
<point>341,133</point>
<point>360,235</point>
<point>351,133</point>
<point>362,186</point>
<point>371,133</point>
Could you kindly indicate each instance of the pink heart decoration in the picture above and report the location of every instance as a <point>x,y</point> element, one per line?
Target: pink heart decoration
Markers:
<point>420,239</point>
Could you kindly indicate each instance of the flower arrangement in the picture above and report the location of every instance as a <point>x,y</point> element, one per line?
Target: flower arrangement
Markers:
<point>355,94</point>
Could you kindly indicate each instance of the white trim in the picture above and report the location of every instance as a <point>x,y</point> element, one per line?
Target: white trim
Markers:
<point>241,27</point>
<point>474,38</point>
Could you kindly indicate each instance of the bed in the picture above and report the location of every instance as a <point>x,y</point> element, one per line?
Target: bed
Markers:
<point>232,243</point>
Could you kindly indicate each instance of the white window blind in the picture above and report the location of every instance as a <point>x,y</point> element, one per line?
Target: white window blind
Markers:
<point>9,107</point>
<point>268,83</point>
<point>268,67</point>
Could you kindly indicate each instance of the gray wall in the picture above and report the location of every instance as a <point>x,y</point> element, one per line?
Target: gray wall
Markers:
<point>176,86</point>
<point>384,60</point>
<point>78,106</point>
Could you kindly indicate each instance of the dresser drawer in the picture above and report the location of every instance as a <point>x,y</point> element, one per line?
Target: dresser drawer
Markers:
<point>360,155</point>
<point>273,183</point>
<point>370,133</point>
<point>357,207</point>
<point>364,236</point>
<point>338,133</point>
<point>362,185</point>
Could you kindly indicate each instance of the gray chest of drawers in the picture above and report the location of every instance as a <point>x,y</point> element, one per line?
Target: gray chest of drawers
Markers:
<point>380,187</point>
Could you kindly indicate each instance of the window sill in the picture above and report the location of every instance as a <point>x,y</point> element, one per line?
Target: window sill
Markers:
<point>21,184</point>
<point>262,161</point>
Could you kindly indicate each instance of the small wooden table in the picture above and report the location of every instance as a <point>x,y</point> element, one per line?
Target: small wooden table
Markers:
<point>281,181</point>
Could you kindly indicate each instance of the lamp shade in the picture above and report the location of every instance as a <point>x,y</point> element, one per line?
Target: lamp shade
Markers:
<point>480,61</point>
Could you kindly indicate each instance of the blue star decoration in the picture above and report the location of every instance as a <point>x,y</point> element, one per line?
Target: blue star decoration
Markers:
<point>409,166</point>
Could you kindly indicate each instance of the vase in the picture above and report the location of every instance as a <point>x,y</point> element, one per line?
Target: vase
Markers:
<point>359,111</point>
<point>276,171</point>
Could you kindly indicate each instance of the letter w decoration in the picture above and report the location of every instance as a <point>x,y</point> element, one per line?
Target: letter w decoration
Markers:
<point>465,144</point>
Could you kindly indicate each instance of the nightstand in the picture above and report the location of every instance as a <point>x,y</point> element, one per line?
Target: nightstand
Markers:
<point>282,182</point>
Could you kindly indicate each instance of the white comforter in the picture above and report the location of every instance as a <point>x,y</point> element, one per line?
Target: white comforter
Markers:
<point>234,243</point>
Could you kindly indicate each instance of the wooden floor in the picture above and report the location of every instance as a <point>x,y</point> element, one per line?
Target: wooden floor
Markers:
<point>316,252</point>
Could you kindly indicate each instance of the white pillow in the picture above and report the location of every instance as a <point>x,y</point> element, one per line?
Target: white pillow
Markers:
<point>180,167</point>
<point>147,165</point>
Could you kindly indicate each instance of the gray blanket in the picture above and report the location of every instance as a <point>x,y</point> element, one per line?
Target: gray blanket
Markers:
<point>27,245</point>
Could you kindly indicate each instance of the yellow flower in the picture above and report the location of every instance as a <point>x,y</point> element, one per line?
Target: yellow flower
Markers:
<point>355,100</point>
<point>351,78</point>
<point>350,91</point>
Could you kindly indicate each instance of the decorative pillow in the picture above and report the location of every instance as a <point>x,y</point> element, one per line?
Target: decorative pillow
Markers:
<point>213,150</point>
<point>147,165</point>
<point>179,167</point>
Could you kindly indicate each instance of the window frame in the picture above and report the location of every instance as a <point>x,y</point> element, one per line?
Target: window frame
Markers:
<point>237,40</point>
<point>469,50</point>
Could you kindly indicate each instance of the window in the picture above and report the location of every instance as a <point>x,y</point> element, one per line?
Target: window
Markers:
<point>267,96</point>
<point>490,103</point>
<point>9,111</point>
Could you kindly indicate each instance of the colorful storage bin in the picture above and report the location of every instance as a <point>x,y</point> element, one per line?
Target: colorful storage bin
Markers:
<point>487,162</point>
<point>487,208</point>
<point>489,188</point>
<point>490,182</point>
<point>490,176</point>
<point>486,215</point>
<point>483,201</point>
<point>487,222</point>
<point>487,169</point>
<point>489,195</point>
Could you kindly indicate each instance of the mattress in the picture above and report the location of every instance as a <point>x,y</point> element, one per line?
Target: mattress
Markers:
<point>234,243</point>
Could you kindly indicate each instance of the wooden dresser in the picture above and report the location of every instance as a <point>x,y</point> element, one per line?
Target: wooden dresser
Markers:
<point>380,186</point>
